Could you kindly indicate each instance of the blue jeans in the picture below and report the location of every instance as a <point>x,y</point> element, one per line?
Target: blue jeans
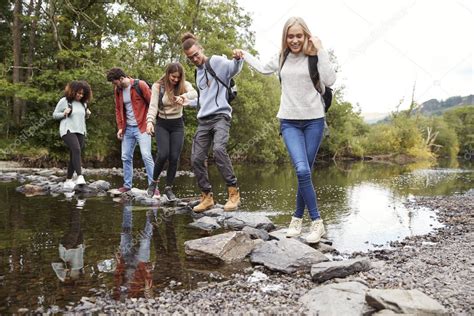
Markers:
<point>130,138</point>
<point>302,139</point>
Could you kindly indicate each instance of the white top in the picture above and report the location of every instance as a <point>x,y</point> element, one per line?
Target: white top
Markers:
<point>299,99</point>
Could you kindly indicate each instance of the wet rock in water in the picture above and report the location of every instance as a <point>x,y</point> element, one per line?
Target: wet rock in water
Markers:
<point>33,190</point>
<point>46,172</point>
<point>325,248</point>
<point>205,223</point>
<point>216,212</point>
<point>148,201</point>
<point>239,220</point>
<point>286,255</point>
<point>256,233</point>
<point>347,298</point>
<point>324,245</point>
<point>324,271</point>
<point>8,176</point>
<point>404,301</point>
<point>100,185</point>
<point>228,247</point>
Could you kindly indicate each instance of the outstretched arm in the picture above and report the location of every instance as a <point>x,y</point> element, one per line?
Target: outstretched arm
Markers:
<point>266,69</point>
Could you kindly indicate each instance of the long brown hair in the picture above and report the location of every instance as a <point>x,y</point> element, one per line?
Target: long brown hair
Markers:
<point>73,87</point>
<point>165,80</point>
<point>308,47</point>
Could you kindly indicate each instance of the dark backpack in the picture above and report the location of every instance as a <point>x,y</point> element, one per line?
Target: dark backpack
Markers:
<point>314,74</point>
<point>137,88</point>
<point>231,88</point>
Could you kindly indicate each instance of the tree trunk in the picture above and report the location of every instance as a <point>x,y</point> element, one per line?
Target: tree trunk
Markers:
<point>16,36</point>
<point>196,16</point>
<point>32,40</point>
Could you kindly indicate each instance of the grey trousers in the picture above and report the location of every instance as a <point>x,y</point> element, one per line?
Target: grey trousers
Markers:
<point>212,129</point>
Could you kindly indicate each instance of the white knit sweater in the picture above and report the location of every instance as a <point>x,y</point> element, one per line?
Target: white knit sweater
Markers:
<point>299,99</point>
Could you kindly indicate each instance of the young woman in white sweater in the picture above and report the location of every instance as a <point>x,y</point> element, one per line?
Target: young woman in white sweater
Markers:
<point>301,112</point>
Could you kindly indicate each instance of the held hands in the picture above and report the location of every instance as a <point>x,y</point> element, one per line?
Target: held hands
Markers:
<point>237,54</point>
<point>316,42</point>
<point>120,134</point>
<point>181,100</point>
<point>150,129</point>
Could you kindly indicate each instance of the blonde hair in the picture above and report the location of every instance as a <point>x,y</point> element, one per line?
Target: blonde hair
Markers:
<point>308,47</point>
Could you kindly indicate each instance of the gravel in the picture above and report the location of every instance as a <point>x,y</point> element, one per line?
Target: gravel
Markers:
<point>440,264</point>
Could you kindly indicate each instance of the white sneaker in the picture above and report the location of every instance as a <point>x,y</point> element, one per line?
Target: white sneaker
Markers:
<point>295,227</point>
<point>316,232</point>
<point>80,180</point>
<point>68,185</point>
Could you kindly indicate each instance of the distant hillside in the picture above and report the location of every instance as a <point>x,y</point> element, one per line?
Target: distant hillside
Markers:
<point>435,107</point>
<point>372,118</point>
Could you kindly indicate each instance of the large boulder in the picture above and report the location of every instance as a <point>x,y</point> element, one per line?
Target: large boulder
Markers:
<point>239,220</point>
<point>228,247</point>
<point>404,301</point>
<point>347,298</point>
<point>324,271</point>
<point>286,255</point>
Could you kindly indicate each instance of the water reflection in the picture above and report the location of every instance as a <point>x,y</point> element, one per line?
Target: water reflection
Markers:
<point>167,259</point>
<point>361,203</point>
<point>133,273</point>
<point>71,248</point>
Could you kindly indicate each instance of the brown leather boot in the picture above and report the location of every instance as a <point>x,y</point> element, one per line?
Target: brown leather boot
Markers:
<point>207,201</point>
<point>234,199</point>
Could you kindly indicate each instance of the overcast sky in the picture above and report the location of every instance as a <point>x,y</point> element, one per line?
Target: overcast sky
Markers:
<point>383,47</point>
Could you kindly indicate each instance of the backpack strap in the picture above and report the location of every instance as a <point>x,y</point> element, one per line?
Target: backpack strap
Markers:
<point>314,73</point>
<point>136,86</point>
<point>285,54</point>
<point>198,106</point>
<point>160,97</point>
<point>213,73</point>
<point>161,106</point>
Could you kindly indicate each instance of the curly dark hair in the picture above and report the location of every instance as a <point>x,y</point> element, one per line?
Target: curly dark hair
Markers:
<point>115,74</point>
<point>73,87</point>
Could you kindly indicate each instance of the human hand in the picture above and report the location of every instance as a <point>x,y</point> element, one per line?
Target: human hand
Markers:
<point>88,113</point>
<point>316,42</point>
<point>67,111</point>
<point>120,134</point>
<point>150,129</point>
<point>178,100</point>
<point>237,54</point>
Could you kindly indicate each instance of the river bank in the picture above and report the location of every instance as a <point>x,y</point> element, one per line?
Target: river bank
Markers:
<point>439,264</point>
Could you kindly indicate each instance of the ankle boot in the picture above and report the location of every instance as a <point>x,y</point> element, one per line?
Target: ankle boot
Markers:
<point>207,201</point>
<point>295,227</point>
<point>316,232</point>
<point>234,199</point>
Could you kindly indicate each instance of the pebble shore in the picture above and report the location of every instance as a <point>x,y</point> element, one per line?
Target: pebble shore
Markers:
<point>440,264</point>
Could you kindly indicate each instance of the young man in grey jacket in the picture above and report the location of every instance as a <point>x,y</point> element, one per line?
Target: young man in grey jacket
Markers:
<point>214,116</point>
